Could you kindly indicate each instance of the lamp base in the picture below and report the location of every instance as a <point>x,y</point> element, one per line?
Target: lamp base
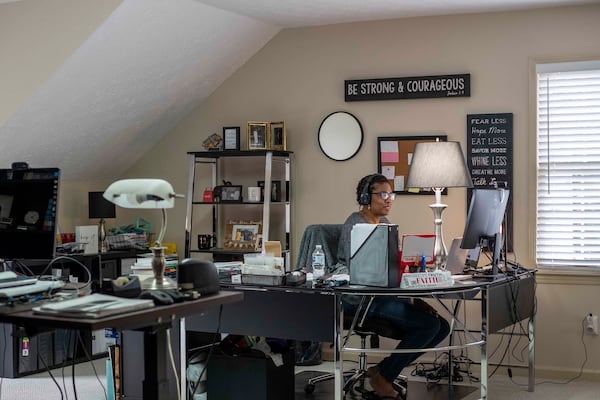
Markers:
<point>152,283</point>
<point>439,250</point>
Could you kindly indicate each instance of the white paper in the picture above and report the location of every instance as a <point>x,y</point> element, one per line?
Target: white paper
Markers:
<point>399,183</point>
<point>388,171</point>
<point>87,234</point>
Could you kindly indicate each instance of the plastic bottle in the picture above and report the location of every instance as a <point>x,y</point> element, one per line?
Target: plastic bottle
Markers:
<point>318,262</point>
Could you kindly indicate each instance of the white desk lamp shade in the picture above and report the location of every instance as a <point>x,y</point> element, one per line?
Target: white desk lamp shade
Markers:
<point>141,193</point>
<point>438,165</point>
<point>150,194</point>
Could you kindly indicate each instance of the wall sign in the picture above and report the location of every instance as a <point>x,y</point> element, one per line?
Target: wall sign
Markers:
<point>418,87</point>
<point>490,155</point>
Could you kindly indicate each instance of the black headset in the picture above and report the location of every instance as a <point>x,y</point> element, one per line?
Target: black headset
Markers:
<point>364,199</point>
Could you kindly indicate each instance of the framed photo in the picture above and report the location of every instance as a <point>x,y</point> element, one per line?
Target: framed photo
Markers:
<point>242,235</point>
<point>257,135</point>
<point>275,190</point>
<point>231,138</point>
<point>277,136</point>
<point>394,156</point>
<point>259,243</point>
<point>228,194</point>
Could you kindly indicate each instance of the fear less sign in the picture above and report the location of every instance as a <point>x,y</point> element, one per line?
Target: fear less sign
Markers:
<point>419,87</point>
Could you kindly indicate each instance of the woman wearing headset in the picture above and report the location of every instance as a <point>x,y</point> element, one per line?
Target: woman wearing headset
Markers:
<point>417,323</point>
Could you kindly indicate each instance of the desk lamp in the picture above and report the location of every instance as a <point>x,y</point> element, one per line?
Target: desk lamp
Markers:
<point>438,165</point>
<point>147,193</point>
<point>99,207</point>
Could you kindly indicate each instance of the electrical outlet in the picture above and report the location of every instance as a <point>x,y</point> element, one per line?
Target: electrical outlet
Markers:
<point>591,324</point>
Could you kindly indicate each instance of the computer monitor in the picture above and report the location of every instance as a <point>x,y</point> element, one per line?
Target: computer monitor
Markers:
<point>28,207</point>
<point>484,222</point>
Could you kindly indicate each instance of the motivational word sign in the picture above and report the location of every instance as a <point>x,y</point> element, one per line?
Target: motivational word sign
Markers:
<point>419,87</point>
<point>490,156</point>
<point>489,149</point>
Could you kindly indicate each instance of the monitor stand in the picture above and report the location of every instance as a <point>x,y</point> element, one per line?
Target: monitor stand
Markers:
<point>494,272</point>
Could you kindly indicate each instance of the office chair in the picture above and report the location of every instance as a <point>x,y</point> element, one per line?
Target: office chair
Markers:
<point>354,379</point>
<point>327,235</point>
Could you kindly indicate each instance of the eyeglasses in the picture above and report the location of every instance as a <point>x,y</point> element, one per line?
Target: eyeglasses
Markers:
<point>386,195</point>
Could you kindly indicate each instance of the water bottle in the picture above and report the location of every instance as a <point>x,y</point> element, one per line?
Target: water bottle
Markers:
<point>318,262</point>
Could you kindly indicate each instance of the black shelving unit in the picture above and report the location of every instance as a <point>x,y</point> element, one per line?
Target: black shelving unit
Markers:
<point>215,161</point>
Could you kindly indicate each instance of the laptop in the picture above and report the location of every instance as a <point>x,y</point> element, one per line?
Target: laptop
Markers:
<point>95,305</point>
<point>459,261</point>
<point>11,279</point>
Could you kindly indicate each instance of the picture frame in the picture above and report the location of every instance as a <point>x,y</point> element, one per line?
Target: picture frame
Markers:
<point>275,190</point>
<point>231,138</point>
<point>228,194</point>
<point>257,135</point>
<point>394,155</point>
<point>258,244</point>
<point>277,136</point>
<point>242,235</point>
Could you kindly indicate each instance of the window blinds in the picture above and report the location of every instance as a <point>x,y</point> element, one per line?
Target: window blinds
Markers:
<point>568,166</point>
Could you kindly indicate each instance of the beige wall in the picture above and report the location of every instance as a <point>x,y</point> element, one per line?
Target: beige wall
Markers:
<point>298,77</point>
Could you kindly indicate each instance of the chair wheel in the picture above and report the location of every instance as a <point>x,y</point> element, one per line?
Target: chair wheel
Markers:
<point>309,388</point>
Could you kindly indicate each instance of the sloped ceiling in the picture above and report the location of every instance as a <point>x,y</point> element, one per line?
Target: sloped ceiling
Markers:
<point>149,63</point>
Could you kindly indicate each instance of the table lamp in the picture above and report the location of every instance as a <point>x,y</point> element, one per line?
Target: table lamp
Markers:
<point>151,194</point>
<point>438,165</point>
<point>101,208</point>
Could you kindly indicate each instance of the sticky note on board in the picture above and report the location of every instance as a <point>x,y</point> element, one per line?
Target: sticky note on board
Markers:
<point>389,152</point>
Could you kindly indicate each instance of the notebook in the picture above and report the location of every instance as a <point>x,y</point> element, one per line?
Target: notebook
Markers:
<point>10,279</point>
<point>95,305</point>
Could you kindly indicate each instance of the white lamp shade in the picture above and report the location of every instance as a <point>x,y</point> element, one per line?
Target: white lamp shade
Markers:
<point>141,193</point>
<point>438,165</point>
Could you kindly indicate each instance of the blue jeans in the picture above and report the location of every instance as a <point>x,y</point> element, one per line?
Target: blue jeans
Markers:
<point>419,329</point>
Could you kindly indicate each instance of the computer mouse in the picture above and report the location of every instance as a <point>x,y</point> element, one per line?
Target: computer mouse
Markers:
<point>160,298</point>
<point>175,294</point>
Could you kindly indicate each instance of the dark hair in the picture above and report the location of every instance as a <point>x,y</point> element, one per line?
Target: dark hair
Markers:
<point>363,190</point>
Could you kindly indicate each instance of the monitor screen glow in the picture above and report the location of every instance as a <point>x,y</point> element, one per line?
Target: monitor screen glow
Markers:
<point>28,209</point>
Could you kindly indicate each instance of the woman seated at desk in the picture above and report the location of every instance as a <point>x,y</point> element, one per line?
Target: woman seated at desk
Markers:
<point>417,323</point>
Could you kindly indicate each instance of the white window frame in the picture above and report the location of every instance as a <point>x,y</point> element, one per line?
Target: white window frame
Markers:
<point>567,200</point>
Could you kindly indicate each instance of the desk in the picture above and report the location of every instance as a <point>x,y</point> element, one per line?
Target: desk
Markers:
<point>153,321</point>
<point>504,301</point>
<point>314,314</point>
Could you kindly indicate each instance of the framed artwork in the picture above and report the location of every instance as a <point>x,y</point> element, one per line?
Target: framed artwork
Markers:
<point>242,234</point>
<point>394,156</point>
<point>275,190</point>
<point>277,136</point>
<point>228,194</point>
<point>257,135</point>
<point>259,243</point>
<point>231,138</point>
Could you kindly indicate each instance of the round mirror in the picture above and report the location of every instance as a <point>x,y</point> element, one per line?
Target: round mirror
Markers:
<point>340,136</point>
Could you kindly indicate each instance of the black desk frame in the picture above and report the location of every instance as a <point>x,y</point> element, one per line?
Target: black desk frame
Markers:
<point>500,308</point>
<point>314,314</point>
<point>154,322</point>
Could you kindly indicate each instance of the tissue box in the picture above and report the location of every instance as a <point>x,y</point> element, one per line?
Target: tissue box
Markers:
<point>262,280</point>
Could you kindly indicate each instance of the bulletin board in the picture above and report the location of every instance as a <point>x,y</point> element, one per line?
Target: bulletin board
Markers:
<point>394,155</point>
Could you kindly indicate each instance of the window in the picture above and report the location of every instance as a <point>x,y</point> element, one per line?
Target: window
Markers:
<point>568,165</point>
